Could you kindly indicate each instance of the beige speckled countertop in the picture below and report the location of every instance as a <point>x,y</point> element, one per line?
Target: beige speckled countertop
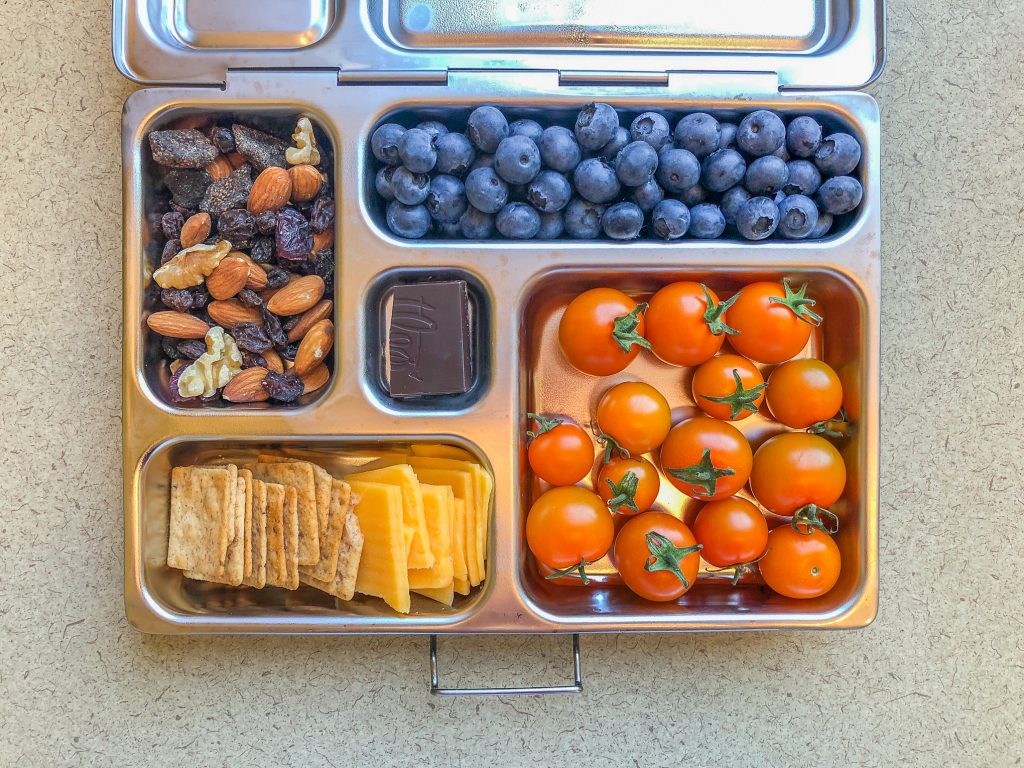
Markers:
<point>938,678</point>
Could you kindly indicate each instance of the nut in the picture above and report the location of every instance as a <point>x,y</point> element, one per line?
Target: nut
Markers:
<point>298,296</point>
<point>191,265</point>
<point>310,318</point>
<point>323,239</point>
<point>315,379</point>
<point>195,229</point>
<point>220,168</point>
<point>257,280</point>
<point>314,347</point>
<point>177,325</point>
<point>270,191</point>
<point>232,312</point>
<point>273,360</point>
<point>220,363</point>
<point>305,150</point>
<point>306,182</point>
<point>228,278</point>
<point>237,159</point>
<point>247,386</point>
<point>176,365</point>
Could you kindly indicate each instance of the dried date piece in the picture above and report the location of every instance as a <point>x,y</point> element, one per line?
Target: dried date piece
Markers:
<point>188,187</point>
<point>251,337</point>
<point>294,238</point>
<point>259,148</point>
<point>285,388</point>
<point>171,224</point>
<point>182,148</point>
<point>322,215</point>
<point>227,193</point>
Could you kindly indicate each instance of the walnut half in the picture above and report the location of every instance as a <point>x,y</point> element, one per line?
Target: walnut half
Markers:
<point>213,369</point>
<point>191,266</point>
<point>304,152</point>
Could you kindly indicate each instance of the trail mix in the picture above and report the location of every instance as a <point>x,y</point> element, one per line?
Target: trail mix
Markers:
<point>242,259</point>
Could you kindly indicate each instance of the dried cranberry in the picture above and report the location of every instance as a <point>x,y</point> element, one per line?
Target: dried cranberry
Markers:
<point>274,329</point>
<point>277,277</point>
<point>171,223</point>
<point>249,297</point>
<point>170,348</point>
<point>236,225</point>
<point>171,249</point>
<point>322,215</point>
<point>191,348</point>
<point>266,222</point>
<point>222,139</point>
<point>200,297</point>
<point>323,265</point>
<point>180,300</point>
<point>251,337</point>
<point>294,239</point>
<point>252,360</point>
<point>262,250</point>
<point>281,387</point>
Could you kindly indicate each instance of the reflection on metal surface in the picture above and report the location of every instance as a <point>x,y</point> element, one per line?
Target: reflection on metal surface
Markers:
<point>233,23</point>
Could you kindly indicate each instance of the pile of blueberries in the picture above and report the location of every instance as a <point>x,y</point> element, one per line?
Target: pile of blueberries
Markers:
<point>706,178</point>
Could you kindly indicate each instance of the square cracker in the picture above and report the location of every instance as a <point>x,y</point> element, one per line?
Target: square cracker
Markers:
<point>230,571</point>
<point>322,479</point>
<point>275,562</point>
<point>300,476</point>
<point>291,538</point>
<point>330,543</point>
<point>343,585</point>
<point>201,523</point>
<point>256,568</point>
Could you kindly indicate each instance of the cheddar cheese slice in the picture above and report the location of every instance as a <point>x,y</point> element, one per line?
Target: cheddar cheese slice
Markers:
<point>383,569</point>
<point>461,573</point>
<point>438,509</point>
<point>462,486</point>
<point>403,477</point>
<point>443,595</point>
<point>433,450</point>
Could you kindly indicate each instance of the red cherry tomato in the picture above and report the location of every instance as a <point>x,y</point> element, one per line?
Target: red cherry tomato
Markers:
<point>657,556</point>
<point>568,528</point>
<point>601,331</point>
<point>635,415</point>
<point>686,323</point>
<point>560,453</point>
<point>706,459</point>
<point>728,387</point>
<point>800,565</point>
<point>772,322</point>
<point>732,531</point>
<point>629,495</point>
<point>804,392</point>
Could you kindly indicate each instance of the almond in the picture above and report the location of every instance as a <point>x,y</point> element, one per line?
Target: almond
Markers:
<point>323,239</point>
<point>195,229</point>
<point>310,318</point>
<point>237,159</point>
<point>314,347</point>
<point>232,312</point>
<point>273,360</point>
<point>219,168</point>
<point>177,325</point>
<point>270,191</point>
<point>247,386</point>
<point>228,278</point>
<point>306,182</point>
<point>257,275</point>
<point>315,379</point>
<point>298,296</point>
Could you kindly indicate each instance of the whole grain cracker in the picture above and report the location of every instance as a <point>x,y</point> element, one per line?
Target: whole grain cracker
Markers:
<point>341,505</point>
<point>322,480</point>
<point>230,571</point>
<point>291,538</point>
<point>275,565</point>
<point>201,523</point>
<point>257,571</point>
<point>343,585</point>
<point>300,476</point>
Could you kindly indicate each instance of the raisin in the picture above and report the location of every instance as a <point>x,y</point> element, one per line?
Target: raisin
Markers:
<point>322,215</point>
<point>290,350</point>
<point>252,360</point>
<point>186,212</point>
<point>186,148</point>
<point>281,387</point>
<point>323,264</point>
<point>249,297</point>
<point>251,337</point>
<point>266,222</point>
<point>222,138</point>
<point>274,329</point>
<point>180,300</point>
<point>200,297</point>
<point>277,277</point>
<point>262,249</point>
<point>191,349</point>
<point>294,239</point>
<point>171,224</point>
<point>291,322</point>
<point>171,249</point>
<point>170,348</point>
<point>236,225</point>
<point>172,385</point>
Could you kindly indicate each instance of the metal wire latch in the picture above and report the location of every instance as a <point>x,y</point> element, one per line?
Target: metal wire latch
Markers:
<point>576,687</point>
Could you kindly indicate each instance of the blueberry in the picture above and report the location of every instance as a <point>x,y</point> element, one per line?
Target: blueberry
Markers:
<point>700,133</point>
<point>648,195</point>
<point>384,182</point>
<point>410,221</point>
<point>766,175</point>
<point>623,221</point>
<point>410,188</point>
<point>678,169</point>
<point>694,195</point>
<point>552,226</point>
<point>434,127</point>
<point>446,201</point>
<point>559,149</point>
<point>455,154</point>
<point>822,227</point>
<point>486,190</point>
<point>757,218</point>
<point>583,219</point>
<point>803,135</point>
<point>804,178</point>
<point>706,221</point>
<point>615,145</point>
<point>549,192</point>
<point>731,201</point>
<point>486,127</point>
<point>837,155</point>
<point>384,143</point>
<point>517,160</point>
<point>840,195</point>
<point>596,181</point>
<point>652,128</point>
<point>782,153</point>
<point>531,129</point>
<point>596,124</point>
<point>727,136</point>
<point>636,163</point>
<point>447,230</point>
<point>798,215</point>
<point>518,221</point>
<point>760,133</point>
<point>670,219</point>
<point>417,150</point>
<point>722,169</point>
<point>476,225</point>
<point>483,160</point>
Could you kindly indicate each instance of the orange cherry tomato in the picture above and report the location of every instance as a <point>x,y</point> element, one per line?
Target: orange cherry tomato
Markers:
<point>560,453</point>
<point>728,387</point>
<point>657,556</point>
<point>800,565</point>
<point>686,323</point>
<point>706,458</point>
<point>601,331</point>
<point>635,415</point>
<point>568,528</point>
<point>732,531</point>
<point>629,486</point>
<point>804,392</point>
<point>772,322</point>
<point>794,470</point>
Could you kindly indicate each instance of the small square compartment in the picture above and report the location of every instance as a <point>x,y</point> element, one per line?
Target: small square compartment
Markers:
<point>232,23</point>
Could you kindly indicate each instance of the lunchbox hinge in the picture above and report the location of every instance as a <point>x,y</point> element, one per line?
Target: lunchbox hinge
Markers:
<point>588,77</point>
<point>394,77</point>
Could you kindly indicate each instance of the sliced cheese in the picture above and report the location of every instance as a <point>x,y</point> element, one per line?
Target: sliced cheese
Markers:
<point>460,572</point>
<point>402,476</point>
<point>438,509</point>
<point>443,595</point>
<point>462,486</point>
<point>437,451</point>
<point>383,569</point>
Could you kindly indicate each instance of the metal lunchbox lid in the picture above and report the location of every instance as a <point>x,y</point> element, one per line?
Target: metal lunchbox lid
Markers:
<point>809,44</point>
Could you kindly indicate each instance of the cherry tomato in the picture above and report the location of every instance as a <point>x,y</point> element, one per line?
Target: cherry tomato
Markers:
<point>795,469</point>
<point>686,323</point>
<point>635,415</point>
<point>728,387</point>
<point>772,322</point>
<point>804,392</point>
<point>560,453</point>
<point>657,556</point>
<point>629,495</point>
<point>602,331</point>
<point>706,458</point>
<point>732,531</point>
<point>568,528</point>
<point>800,565</point>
